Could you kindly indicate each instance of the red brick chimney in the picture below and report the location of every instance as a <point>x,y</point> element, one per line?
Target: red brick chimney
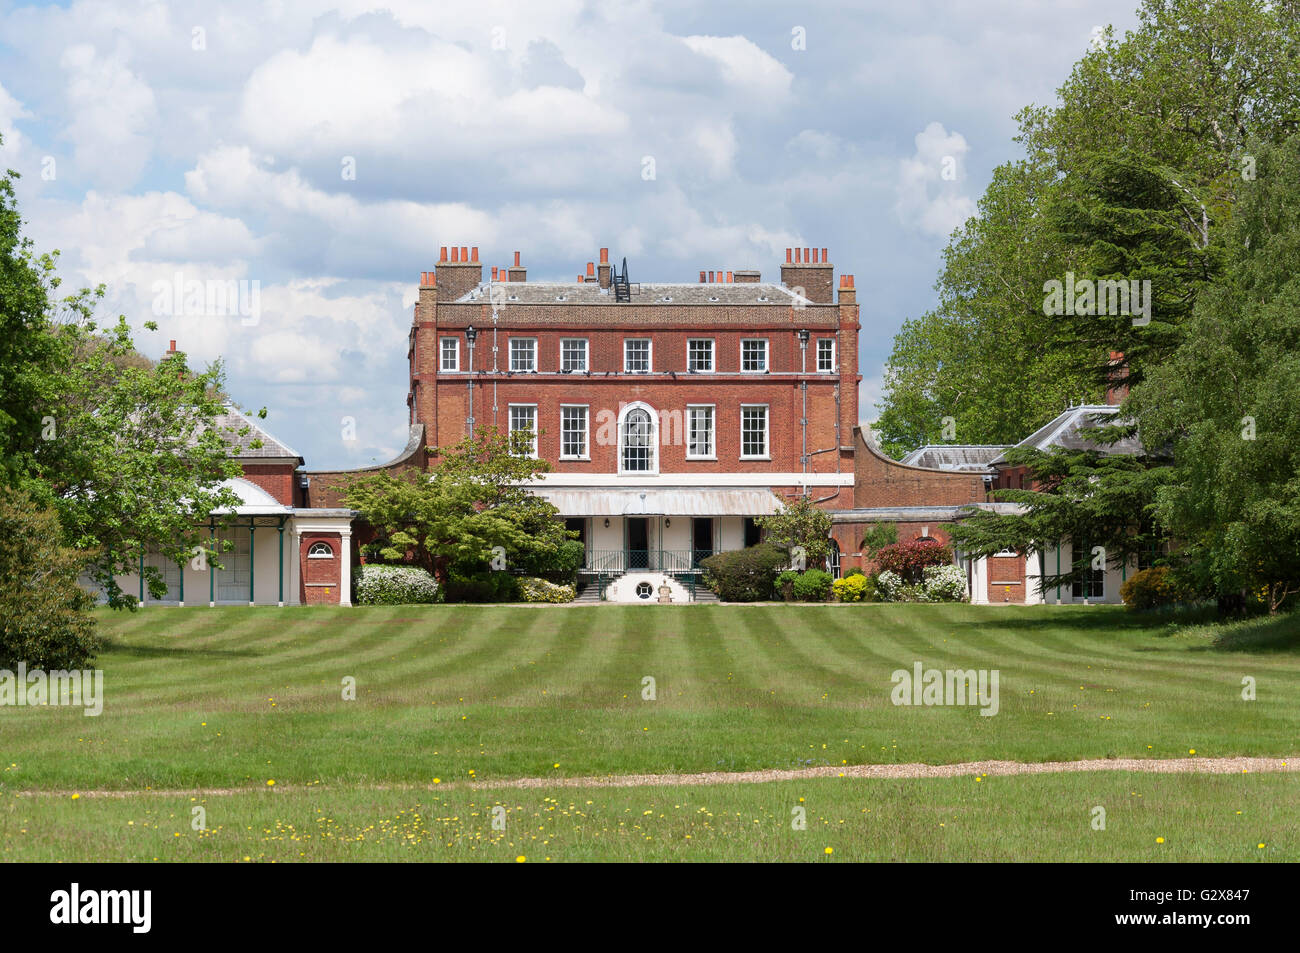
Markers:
<point>518,272</point>
<point>1116,388</point>
<point>459,275</point>
<point>604,269</point>
<point>812,272</point>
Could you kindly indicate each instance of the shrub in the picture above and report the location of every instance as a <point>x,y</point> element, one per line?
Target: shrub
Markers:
<point>560,564</point>
<point>890,585</point>
<point>855,571</point>
<point>909,560</point>
<point>533,589</point>
<point>944,583</point>
<point>1149,589</point>
<point>854,587</point>
<point>744,575</point>
<point>44,615</point>
<point>485,586</point>
<point>813,586</point>
<point>785,584</point>
<point>395,586</point>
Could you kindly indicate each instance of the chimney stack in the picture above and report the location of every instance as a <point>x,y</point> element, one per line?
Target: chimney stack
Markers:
<point>811,270</point>
<point>462,273</point>
<point>518,272</point>
<point>605,269</point>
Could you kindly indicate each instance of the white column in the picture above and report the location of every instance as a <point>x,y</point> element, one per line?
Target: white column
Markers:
<point>1032,595</point>
<point>979,582</point>
<point>345,570</point>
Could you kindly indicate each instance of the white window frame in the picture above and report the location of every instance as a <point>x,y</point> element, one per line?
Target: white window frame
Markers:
<point>713,355</point>
<point>586,355</point>
<point>713,432</point>
<point>312,554</point>
<point>818,358</point>
<point>649,355</point>
<point>767,433</point>
<point>586,432</point>
<point>442,354</point>
<point>519,370</point>
<point>766,355</point>
<point>510,424</point>
<point>654,439</point>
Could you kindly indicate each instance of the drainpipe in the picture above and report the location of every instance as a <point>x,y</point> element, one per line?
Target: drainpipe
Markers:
<point>470,335</point>
<point>803,419</point>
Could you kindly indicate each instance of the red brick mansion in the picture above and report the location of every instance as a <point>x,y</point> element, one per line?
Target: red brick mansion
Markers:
<point>673,415</point>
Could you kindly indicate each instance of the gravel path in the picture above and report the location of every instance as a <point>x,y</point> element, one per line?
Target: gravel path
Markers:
<point>857,771</point>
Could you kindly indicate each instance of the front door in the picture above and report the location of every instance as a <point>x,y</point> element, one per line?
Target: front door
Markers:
<point>638,542</point>
<point>701,539</point>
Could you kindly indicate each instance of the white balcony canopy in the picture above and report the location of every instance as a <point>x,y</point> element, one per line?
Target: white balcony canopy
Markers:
<point>649,501</point>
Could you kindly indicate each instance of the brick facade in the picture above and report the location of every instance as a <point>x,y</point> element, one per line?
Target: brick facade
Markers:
<point>319,578</point>
<point>880,481</point>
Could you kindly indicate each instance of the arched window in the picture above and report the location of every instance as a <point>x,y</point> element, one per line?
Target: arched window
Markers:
<point>637,453</point>
<point>320,551</point>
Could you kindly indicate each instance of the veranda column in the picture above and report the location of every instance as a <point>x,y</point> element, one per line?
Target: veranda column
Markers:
<point>252,558</point>
<point>345,570</point>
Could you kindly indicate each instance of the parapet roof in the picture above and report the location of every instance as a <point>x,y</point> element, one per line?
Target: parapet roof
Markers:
<point>658,293</point>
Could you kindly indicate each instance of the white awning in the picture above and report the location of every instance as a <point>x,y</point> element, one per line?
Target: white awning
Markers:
<point>253,500</point>
<point>678,501</point>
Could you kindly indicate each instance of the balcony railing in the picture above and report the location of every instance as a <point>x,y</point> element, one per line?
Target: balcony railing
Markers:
<point>653,560</point>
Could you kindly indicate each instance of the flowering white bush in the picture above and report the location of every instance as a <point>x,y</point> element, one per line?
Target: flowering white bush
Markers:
<point>532,589</point>
<point>944,584</point>
<point>395,586</point>
<point>890,586</point>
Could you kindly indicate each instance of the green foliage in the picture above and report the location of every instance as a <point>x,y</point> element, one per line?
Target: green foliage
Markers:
<point>381,585</point>
<point>483,586</point>
<point>1225,403</point>
<point>800,522</point>
<point>878,537</point>
<point>744,575</point>
<point>945,583</point>
<point>45,620</point>
<point>854,587</point>
<point>1085,495</point>
<point>785,583</point>
<point>1135,173</point>
<point>124,450</point>
<point>1149,589</point>
<point>532,589</point>
<point>474,500</point>
<point>814,585</point>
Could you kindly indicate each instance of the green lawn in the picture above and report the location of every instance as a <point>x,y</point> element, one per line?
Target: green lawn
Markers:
<point>234,698</point>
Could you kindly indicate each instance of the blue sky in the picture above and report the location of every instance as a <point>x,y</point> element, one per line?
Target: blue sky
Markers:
<point>158,139</point>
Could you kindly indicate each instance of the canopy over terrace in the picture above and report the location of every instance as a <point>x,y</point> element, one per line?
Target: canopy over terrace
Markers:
<point>649,501</point>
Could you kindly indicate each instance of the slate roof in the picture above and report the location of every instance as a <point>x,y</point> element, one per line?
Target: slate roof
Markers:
<point>540,292</point>
<point>233,421</point>
<point>1064,431</point>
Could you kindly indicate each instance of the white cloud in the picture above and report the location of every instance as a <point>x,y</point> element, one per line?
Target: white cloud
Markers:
<point>929,196</point>
<point>113,117</point>
<point>745,66</point>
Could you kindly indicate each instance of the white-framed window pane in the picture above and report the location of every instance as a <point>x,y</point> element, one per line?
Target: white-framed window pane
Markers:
<point>699,431</point>
<point>573,354</point>
<point>450,354</point>
<point>523,354</point>
<point>524,417</point>
<point>753,355</point>
<point>753,431</point>
<point>826,354</point>
<point>638,441</point>
<point>636,355</point>
<point>573,431</point>
<point>699,354</point>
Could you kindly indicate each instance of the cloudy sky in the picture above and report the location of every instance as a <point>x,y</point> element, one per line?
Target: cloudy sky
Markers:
<point>326,150</point>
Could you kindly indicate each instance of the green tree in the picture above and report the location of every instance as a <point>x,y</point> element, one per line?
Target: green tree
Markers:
<point>799,522</point>
<point>1225,402</point>
<point>44,620</point>
<point>475,499</point>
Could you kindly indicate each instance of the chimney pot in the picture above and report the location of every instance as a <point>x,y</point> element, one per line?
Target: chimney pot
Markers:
<point>442,253</point>
<point>474,254</point>
<point>455,253</point>
<point>516,259</point>
<point>807,256</point>
<point>172,346</point>
<point>728,277</point>
<point>604,256</point>
<point>825,257</point>
<point>494,272</point>
<point>702,274</point>
<point>814,256</point>
<point>789,256</point>
<point>591,269</point>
